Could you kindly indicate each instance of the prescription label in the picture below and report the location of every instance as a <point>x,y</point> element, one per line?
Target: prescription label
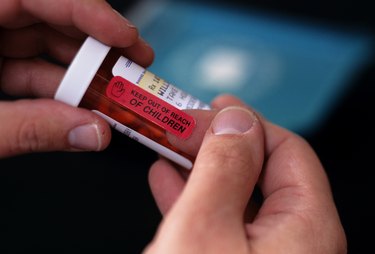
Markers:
<point>153,84</point>
<point>150,107</point>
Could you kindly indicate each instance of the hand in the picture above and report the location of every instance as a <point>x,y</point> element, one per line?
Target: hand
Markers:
<point>212,210</point>
<point>34,31</point>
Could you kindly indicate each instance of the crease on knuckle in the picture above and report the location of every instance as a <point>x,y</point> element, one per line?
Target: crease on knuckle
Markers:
<point>232,157</point>
<point>29,138</point>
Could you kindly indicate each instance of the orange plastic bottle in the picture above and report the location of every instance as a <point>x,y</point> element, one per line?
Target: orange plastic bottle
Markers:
<point>133,100</point>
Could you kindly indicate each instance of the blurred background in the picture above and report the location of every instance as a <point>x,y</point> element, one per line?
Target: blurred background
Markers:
<point>291,69</point>
<point>308,66</point>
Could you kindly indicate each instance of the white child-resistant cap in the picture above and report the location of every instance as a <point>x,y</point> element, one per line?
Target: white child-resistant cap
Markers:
<point>81,71</point>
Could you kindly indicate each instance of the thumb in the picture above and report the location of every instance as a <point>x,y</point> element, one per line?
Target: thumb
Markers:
<point>228,164</point>
<point>214,200</point>
<point>46,125</point>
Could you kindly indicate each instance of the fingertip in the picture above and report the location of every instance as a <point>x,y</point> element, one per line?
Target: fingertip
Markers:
<point>125,33</point>
<point>225,100</point>
<point>140,52</point>
<point>107,26</point>
<point>156,170</point>
<point>88,137</point>
<point>88,131</point>
<point>122,34</point>
<point>166,184</point>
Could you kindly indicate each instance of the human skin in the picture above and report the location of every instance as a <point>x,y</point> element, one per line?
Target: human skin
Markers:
<point>210,210</point>
<point>31,33</point>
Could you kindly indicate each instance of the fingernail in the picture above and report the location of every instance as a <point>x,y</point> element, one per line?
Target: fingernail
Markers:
<point>85,137</point>
<point>233,120</point>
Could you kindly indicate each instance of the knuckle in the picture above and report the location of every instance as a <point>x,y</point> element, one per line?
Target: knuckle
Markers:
<point>232,156</point>
<point>30,138</point>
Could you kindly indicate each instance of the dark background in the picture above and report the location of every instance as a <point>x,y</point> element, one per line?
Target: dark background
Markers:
<point>100,202</point>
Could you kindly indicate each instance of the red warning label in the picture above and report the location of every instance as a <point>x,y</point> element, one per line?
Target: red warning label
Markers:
<point>150,107</point>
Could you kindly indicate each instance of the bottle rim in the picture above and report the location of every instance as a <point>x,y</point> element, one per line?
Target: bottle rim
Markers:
<point>81,71</point>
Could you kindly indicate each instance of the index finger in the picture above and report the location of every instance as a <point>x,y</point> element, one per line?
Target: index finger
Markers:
<point>94,17</point>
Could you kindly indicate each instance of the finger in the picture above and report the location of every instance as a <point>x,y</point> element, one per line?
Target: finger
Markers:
<point>140,52</point>
<point>34,77</point>
<point>41,39</point>
<point>94,17</point>
<point>166,184</point>
<point>226,169</point>
<point>35,40</point>
<point>226,100</point>
<point>30,77</point>
<point>229,161</point>
<point>12,15</point>
<point>47,125</point>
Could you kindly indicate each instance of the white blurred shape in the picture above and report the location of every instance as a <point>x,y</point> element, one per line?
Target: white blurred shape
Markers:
<point>225,68</point>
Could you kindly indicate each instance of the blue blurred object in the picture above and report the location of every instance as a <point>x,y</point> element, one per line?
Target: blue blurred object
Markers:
<point>292,71</point>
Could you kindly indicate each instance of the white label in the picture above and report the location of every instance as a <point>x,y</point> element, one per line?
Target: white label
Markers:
<point>155,85</point>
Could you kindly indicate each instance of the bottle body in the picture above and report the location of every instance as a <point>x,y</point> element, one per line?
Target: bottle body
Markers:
<point>133,100</point>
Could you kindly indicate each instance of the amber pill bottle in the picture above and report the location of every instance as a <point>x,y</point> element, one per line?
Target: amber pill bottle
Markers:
<point>130,98</point>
